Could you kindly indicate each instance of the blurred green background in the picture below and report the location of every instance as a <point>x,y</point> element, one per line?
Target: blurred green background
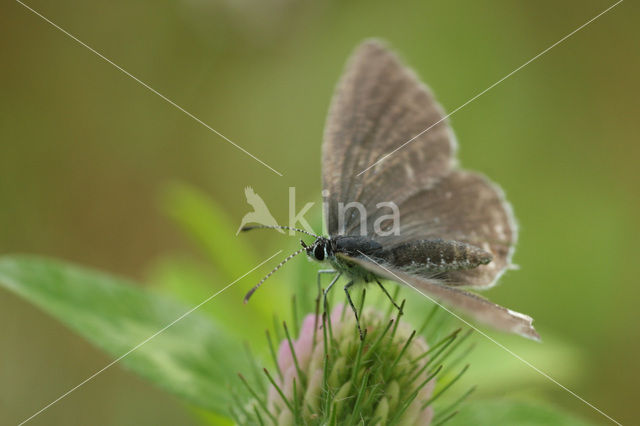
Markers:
<point>86,152</point>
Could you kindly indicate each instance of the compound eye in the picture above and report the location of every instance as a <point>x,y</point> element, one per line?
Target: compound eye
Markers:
<point>318,252</point>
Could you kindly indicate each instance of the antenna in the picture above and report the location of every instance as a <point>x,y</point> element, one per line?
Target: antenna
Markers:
<point>288,258</point>
<point>249,228</point>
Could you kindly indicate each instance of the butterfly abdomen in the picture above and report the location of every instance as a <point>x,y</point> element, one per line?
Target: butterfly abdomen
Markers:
<point>435,255</point>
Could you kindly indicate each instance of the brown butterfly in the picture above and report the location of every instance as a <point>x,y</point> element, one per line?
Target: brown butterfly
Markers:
<point>455,230</point>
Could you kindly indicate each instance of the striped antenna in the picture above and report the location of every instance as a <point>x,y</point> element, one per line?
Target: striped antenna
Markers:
<point>291,256</point>
<point>249,228</point>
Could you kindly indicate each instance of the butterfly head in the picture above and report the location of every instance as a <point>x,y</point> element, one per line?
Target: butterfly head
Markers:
<point>320,250</point>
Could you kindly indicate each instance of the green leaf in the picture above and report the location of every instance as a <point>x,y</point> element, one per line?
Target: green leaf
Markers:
<point>506,412</point>
<point>192,358</point>
<point>555,355</point>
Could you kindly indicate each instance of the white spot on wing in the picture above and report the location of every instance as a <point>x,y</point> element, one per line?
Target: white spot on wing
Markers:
<point>519,315</point>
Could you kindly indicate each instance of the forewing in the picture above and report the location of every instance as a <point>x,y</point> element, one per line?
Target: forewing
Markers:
<point>462,206</point>
<point>378,106</point>
<point>470,304</point>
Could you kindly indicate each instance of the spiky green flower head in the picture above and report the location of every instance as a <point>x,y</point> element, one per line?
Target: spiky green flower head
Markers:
<point>329,376</point>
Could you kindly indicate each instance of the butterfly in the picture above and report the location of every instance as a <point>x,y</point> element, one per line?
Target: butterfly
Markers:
<point>455,233</point>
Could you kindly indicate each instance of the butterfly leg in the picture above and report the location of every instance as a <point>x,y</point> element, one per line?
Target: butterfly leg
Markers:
<point>319,277</point>
<point>326,291</point>
<point>388,295</point>
<point>355,311</point>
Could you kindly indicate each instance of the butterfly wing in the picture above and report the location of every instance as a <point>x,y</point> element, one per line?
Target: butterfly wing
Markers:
<point>379,105</point>
<point>462,206</point>
<point>470,304</point>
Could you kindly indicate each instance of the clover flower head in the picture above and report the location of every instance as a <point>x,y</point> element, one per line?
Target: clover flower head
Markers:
<point>328,372</point>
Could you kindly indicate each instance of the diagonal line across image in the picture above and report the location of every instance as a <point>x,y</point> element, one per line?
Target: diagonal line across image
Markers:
<point>385,156</point>
<point>145,85</point>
